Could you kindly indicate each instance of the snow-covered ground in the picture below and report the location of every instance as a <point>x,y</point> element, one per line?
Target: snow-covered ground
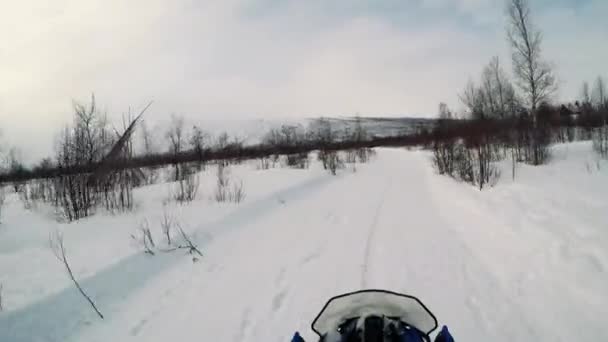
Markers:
<point>526,260</point>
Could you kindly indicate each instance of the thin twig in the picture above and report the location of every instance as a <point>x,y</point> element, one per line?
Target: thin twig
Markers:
<point>191,246</point>
<point>58,248</point>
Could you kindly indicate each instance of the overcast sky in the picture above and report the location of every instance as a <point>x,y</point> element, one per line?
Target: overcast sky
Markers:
<point>267,58</point>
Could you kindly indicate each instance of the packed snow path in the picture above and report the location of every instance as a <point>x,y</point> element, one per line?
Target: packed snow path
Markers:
<point>489,272</point>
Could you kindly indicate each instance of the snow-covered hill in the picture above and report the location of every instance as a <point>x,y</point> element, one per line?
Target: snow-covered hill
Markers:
<point>526,260</point>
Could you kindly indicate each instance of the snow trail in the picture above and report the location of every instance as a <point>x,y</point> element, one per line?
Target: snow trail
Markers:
<point>59,316</point>
<point>503,264</point>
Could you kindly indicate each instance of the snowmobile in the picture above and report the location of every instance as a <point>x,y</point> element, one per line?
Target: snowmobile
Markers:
<point>375,316</point>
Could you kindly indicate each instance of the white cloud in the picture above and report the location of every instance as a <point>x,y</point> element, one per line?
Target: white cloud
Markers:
<point>225,59</point>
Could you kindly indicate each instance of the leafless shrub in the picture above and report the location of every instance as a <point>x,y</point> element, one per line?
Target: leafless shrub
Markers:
<point>188,184</point>
<point>24,195</point>
<point>351,157</point>
<point>463,164</point>
<point>486,173</point>
<point>223,182</point>
<point>146,241</point>
<point>2,200</point>
<point>115,192</point>
<point>58,248</point>
<point>237,194</point>
<point>166,225</point>
<point>297,161</point>
<point>334,162</point>
<point>600,141</point>
<point>226,190</point>
<point>469,161</point>
<point>365,154</point>
<point>264,163</point>
<point>444,156</point>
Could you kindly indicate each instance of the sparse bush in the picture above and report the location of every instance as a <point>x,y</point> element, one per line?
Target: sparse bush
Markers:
<point>223,182</point>
<point>145,240</point>
<point>2,199</point>
<point>470,160</point>
<point>486,173</point>
<point>297,161</point>
<point>600,141</point>
<point>226,190</point>
<point>334,162</point>
<point>444,156</point>
<point>166,225</point>
<point>188,184</point>
<point>264,163</point>
<point>463,165</point>
<point>237,194</point>
<point>24,191</point>
<point>351,157</point>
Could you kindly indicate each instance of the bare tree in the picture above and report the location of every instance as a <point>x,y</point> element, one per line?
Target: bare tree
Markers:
<point>198,140</point>
<point>600,93</point>
<point>493,98</point>
<point>472,98</point>
<point>535,76</point>
<point>585,95</point>
<point>175,136</point>
<point>148,144</point>
<point>499,94</point>
<point>444,111</point>
<point>58,248</point>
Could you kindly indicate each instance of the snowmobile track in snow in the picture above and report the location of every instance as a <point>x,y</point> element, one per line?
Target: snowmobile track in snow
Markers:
<point>370,236</point>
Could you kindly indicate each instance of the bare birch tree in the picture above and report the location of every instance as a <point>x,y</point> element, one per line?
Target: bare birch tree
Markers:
<point>535,76</point>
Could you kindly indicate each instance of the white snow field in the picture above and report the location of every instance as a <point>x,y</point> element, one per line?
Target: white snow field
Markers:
<point>526,260</point>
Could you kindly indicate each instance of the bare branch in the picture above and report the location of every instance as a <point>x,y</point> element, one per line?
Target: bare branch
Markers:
<point>166,224</point>
<point>191,247</point>
<point>58,248</point>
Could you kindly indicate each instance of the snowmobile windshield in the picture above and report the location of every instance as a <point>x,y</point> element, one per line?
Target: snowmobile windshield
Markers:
<point>406,308</point>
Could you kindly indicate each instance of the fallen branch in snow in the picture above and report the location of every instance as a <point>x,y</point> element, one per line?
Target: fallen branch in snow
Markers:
<point>188,244</point>
<point>191,247</point>
<point>167,222</point>
<point>58,248</point>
